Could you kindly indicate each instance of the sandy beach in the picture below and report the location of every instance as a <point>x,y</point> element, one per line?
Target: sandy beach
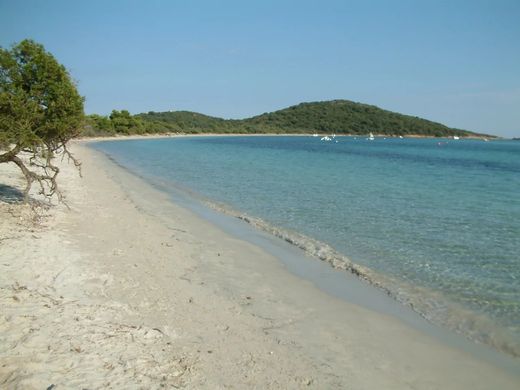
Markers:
<point>122,288</point>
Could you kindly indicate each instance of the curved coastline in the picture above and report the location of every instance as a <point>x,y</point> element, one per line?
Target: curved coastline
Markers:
<point>430,305</point>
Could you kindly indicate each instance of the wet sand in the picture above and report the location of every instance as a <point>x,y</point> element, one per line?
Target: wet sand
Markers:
<point>127,289</point>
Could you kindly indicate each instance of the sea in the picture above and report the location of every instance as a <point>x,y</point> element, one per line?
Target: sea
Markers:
<point>435,223</point>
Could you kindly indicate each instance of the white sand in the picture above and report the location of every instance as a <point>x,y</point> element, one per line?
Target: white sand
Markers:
<point>128,290</point>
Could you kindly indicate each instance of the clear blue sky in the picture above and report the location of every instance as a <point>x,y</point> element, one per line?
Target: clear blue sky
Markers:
<point>456,62</point>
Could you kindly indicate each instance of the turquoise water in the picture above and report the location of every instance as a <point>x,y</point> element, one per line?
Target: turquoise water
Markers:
<point>436,223</point>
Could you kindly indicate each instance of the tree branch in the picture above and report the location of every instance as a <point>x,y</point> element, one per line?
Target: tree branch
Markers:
<point>8,156</point>
<point>47,181</point>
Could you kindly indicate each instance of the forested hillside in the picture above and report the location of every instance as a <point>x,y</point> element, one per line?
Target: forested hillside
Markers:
<point>337,116</point>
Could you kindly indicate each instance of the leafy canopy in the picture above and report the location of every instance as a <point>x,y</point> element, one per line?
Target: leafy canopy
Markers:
<point>336,116</point>
<point>40,111</point>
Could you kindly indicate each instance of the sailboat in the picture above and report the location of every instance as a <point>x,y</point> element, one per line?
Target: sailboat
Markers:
<point>371,137</point>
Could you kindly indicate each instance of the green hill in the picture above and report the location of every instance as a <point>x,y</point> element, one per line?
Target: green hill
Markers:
<point>336,116</point>
<point>189,122</point>
<point>346,117</point>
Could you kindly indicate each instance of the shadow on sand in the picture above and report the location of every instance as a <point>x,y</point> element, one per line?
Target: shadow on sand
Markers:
<point>10,194</point>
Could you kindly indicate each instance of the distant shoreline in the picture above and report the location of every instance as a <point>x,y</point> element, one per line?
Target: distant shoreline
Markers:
<point>184,135</point>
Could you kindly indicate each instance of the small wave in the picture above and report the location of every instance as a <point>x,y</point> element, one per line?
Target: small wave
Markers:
<point>429,304</point>
<point>432,305</point>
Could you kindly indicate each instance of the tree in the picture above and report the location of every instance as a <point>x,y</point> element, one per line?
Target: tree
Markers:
<point>124,123</point>
<point>40,111</point>
<point>98,125</point>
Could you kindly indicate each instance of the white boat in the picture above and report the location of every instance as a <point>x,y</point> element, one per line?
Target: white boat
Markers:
<point>326,138</point>
<point>456,137</point>
<point>371,137</point>
<point>315,135</point>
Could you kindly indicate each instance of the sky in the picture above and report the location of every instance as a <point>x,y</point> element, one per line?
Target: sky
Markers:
<point>454,62</point>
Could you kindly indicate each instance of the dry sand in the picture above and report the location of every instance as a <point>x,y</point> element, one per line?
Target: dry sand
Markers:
<point>126,289</point>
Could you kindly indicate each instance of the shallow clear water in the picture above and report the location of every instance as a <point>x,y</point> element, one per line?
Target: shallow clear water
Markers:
<point>437,220</point>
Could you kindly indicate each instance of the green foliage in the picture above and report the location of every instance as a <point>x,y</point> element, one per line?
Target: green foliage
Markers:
<point>189,122</point>
<point>98,125</point>
<point>39,103</point>
<point>337,116</point>
<point>122,123</point>
<point>40,109</point>
<point>346,117</point>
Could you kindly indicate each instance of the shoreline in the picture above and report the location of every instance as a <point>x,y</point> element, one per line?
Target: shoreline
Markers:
<point>213,309</point>
<point>453,319</point>
<point>402,299</point>
<point>173,135</point>
<point>352,282</point>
